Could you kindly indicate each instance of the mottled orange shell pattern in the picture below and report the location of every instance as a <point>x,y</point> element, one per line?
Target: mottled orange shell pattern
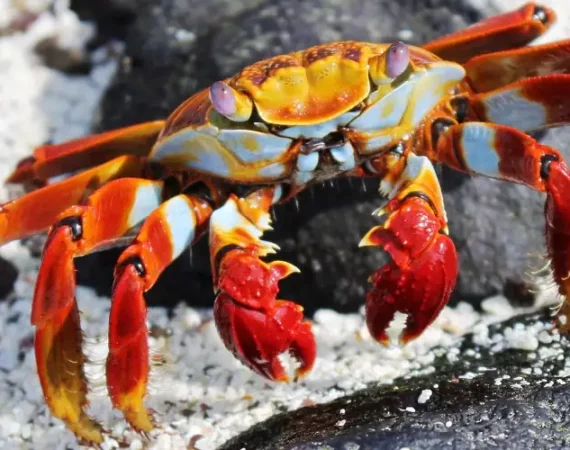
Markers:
<point>313,85</point>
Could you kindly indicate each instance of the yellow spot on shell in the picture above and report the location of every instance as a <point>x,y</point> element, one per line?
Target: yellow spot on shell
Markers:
<point>251,143</point>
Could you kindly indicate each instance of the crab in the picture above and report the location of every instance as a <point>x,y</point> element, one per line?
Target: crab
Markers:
<point>229,153</point>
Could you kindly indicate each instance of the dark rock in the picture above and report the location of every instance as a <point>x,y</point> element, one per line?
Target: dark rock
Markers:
<point>8,276</point>
<point>112,17</point>
<point>177,48</point>
<point>515,401</point>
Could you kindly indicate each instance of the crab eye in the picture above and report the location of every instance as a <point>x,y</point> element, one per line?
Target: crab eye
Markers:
<point>223,99</point>
<point>397,59</point>
<point>230,103</point>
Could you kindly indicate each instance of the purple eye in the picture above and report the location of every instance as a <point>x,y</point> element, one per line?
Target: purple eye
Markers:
<point>222,98</point>
<point>397,59</point>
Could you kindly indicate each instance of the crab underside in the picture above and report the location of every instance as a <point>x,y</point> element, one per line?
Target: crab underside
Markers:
<point>231,152</point>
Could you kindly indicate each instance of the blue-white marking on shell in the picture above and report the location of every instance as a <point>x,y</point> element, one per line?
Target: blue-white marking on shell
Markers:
<point>375,142</point>
<point>272,171</point>
<point>308,163</point>
<point>512,109</point>
<point>395,103</point>
<point>181,219</point>
<point>269,146</point>
<point>478,147</point>
<point>222,152</point>
<point>344,156</point>
<point>147,198</point>
<point>430,87</point>
<point>318,130</point>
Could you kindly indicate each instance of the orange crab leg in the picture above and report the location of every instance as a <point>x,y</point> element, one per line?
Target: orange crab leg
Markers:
<point>52,160</point>
<point>36,211</point>
<point>253,325</point>
<point>495,70</point>
<point>500,32</point>
<point>108,214</point>
<point>165,234</point>
<point>423,271</point>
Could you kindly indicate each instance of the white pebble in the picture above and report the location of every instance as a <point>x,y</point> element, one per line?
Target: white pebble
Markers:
<point>424,396</point>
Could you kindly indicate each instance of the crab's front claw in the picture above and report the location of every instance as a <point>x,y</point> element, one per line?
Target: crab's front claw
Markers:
<point>558,229</point>
<point>421,276</point>
<point>255,326</point>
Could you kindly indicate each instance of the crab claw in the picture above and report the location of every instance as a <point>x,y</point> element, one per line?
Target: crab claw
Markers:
<point>255,326</point>
<point>558,229</point>
<point>421,276</point>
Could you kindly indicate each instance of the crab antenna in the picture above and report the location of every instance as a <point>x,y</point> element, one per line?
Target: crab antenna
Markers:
<point>231,103</point>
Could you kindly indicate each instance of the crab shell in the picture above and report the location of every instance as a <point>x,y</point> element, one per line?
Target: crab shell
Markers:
<point>306,95</point>
<point>314,85</point>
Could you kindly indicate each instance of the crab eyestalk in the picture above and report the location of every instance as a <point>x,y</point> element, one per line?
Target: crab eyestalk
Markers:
<point>230,103</point>
<point>391,64</point>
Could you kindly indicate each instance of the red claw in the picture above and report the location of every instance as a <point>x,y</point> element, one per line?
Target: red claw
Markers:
<point>255,326</point>
<point>421,277</point>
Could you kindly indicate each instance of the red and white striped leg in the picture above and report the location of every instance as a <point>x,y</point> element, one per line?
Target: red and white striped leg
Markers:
<point>165,234</point>
<point>108,215</point>
<point>502,152</point>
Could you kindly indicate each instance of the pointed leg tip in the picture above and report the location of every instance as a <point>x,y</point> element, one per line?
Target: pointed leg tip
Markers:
<point>87,429</point>
<point>141,420</point>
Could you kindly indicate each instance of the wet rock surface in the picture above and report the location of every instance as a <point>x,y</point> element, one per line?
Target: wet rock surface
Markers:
<point>503,391</point>
<point>174,50</point>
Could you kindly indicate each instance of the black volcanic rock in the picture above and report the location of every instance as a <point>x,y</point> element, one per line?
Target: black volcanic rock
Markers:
<point>501,399</point>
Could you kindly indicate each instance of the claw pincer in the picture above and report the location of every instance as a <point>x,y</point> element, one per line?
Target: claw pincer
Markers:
<point>421,276</point>
<point>255,326</point>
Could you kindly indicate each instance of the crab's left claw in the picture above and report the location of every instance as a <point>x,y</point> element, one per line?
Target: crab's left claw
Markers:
<point>255,326</point>
<point>421,276</point>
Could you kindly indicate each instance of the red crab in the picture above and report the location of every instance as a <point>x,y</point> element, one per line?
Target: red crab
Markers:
<point>230,152</point>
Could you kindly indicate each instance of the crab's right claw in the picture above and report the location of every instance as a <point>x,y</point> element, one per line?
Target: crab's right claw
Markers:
<point>421,276</point>
<point>255,326</point>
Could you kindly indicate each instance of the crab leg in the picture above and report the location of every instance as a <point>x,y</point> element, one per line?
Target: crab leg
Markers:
<point>495,70</point>
<point>501,32</point>
<point>165,234</point>
<point>253,325</point>
<point>529,104</point>
<point>502,152</point>
<point>38,210</point>
<point>108,214</point>
<point>52,160</point>
<point>423,271</point>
